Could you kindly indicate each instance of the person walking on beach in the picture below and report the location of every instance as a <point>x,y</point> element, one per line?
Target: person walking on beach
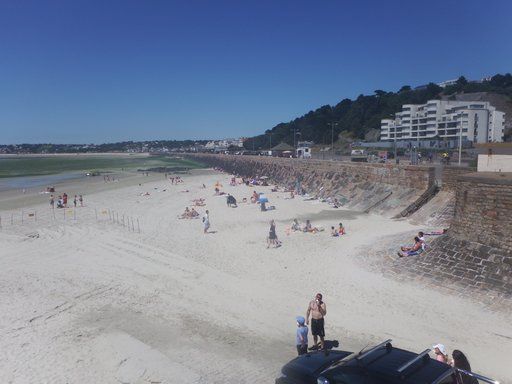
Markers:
<point>75,201</point>
<point>301,336</point>
<point>81,200</point>
<point>206,221</point>
<point>272,236</point>
<point>52,202</point>
<point>317,310</point>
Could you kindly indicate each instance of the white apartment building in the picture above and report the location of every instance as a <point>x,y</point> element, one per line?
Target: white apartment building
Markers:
<point>479,120</point>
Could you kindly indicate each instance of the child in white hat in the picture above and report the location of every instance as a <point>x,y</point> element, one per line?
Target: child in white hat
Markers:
<point>301,339</point>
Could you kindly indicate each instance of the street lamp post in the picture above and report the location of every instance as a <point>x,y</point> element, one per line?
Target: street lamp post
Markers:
<point>295,133</point>
<point>396,152</point>
<point>460,138</point>
<point>332,124</point>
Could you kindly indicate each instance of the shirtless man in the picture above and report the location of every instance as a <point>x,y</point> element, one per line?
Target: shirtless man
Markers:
<point>317,310</point>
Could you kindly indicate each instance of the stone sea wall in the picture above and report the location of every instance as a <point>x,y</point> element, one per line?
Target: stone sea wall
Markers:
<point>461,266</point>
<point>483,209</point>
<point>384,188</point>
<point>476,253</point>
<point>450,175</point>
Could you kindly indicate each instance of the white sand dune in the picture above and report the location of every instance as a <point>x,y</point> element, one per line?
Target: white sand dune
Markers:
<point>89,301</point>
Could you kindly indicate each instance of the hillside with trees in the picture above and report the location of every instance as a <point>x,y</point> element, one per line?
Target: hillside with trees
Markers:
<point>360,117</point>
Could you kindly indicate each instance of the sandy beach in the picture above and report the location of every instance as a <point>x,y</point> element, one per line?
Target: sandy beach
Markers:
<point>85,300</point>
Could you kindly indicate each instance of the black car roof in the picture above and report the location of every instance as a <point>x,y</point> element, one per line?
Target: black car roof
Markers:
<point>385,364</point>
<point>313,363</point>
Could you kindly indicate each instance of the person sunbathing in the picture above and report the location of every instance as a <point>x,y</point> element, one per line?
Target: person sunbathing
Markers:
<point>186,214</point>
<point>193,213</point>
<point>295,225</point>
<point>416,249</point>
<point>309,228</point>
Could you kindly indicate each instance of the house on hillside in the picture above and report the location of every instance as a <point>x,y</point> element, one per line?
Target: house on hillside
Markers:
<point>283,150</point>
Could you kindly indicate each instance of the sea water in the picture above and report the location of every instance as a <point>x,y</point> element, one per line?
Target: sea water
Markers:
<point>26,182</point>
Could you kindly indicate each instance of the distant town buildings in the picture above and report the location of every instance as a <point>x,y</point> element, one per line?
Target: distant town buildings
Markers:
<point>447,83</point>
<point>443,119</point>
<point>223,145</point>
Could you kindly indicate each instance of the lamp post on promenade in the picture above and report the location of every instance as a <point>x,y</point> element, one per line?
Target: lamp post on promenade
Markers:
<point>332,124</point>
<point>396,152</point>
<point>460,138</point>
<point>295,133</point>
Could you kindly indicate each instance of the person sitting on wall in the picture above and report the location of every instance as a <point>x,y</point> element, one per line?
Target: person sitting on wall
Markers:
<point>421,236</point>
<point>411,251</point>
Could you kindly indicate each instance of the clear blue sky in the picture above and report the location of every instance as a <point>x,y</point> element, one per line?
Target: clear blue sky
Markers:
<point>102,71</point>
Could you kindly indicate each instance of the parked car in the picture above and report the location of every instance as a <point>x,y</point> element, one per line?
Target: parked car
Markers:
<point>358,155</point>
<point>382,364</point>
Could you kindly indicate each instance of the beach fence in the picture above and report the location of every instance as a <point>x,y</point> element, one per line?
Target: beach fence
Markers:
<point>35,218</point>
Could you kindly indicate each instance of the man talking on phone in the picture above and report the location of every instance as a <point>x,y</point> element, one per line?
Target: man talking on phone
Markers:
<point>317,310</point>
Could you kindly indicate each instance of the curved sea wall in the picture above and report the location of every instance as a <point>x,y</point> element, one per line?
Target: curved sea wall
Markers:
<point>474,257</point>
<point>476,253</point>
<point>384,188</point>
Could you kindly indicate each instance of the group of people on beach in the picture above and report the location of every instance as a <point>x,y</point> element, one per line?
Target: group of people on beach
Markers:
<point>189,214</point>
<point>315,312</point>
<point>296,226</point>
<point>418,246</point>
<point>336,232</point>
<point>62,201</point>
<point>315,315</point>
<point>175,180</point>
